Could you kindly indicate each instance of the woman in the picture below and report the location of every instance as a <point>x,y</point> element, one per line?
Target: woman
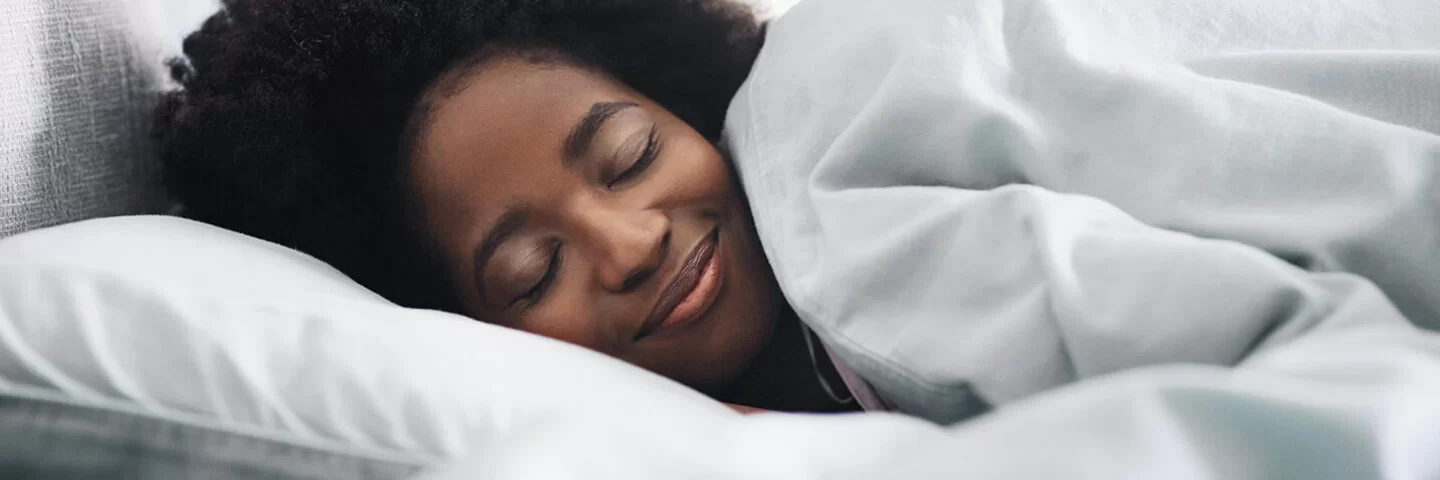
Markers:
<point>552,167</point>
<point>548,166</point>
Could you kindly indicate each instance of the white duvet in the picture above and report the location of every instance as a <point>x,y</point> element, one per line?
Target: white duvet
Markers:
<point>976,201</point>
<point>1350,407</point>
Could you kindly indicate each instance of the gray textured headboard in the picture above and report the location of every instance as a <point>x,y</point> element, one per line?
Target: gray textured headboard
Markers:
<point>77,81</point>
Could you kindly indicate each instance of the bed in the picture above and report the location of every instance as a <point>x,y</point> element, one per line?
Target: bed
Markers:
<point>149,346</point>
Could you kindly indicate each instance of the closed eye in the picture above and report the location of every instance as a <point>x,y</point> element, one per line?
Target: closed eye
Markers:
<point>647,157</point>
<point>536,293</point>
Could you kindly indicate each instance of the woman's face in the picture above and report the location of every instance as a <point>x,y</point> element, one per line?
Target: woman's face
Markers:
<point>570,206</point>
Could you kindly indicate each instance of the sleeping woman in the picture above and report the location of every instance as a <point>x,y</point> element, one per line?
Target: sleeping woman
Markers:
<point>927,240</point>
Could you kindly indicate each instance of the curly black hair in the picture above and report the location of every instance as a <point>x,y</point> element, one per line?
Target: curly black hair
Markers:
<point>292,118</point>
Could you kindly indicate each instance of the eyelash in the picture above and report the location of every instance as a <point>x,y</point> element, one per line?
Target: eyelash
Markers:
<point>533,296</point>
<point>647,157</point>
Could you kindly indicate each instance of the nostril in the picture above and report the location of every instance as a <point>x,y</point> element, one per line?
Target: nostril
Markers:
<point>635,279</point>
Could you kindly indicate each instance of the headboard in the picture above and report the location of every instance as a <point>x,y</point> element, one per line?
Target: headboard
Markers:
<point>77,81</point>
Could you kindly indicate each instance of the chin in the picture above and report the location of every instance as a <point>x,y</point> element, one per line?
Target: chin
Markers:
<point>750,312</point>
<point>743,350</point>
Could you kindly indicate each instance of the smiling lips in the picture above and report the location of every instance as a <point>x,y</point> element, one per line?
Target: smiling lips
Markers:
<point>691,292</point>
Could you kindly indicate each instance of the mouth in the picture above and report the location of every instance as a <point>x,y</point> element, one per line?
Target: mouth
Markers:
<point>691,293</point>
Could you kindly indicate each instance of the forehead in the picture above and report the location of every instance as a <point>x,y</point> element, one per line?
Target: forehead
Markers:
<point>500,136</point>
<point>508,106</point>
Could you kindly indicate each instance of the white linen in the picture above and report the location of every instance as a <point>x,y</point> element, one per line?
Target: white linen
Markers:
<point>176,317</point>
<point>1327,407</point>
<point>975,201</point>
<point>173,317</point>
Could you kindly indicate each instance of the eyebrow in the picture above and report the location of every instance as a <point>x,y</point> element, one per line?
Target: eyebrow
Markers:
<point>509,223</point>
<point>578,142</point>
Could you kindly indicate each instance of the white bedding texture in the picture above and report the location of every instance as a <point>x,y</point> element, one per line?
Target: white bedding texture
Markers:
<point>1005,197</point>
<point>174,316</point>
<point>196,323</point>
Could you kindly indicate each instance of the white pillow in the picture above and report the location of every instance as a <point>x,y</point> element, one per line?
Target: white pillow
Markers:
<point>182,318</point>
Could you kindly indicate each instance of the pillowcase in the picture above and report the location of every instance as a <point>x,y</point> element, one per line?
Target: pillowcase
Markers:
<point>182,318</point>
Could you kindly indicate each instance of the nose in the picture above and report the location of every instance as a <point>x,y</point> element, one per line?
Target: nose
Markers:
<point>629,243</point>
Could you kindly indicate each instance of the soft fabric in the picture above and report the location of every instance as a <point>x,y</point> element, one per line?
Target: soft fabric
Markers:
<point>52,436</point>
<point>178,318</point>
<point>78,79</point>
<point>976,201</point>
<point>191,329</point>
<point>1326,407</point>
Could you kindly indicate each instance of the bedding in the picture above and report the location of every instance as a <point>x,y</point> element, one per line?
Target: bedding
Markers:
<point>975,202</point>
<point>168,319</point>
<point>172,317</point>
<point>46,434</point>
<point>1326,407</point>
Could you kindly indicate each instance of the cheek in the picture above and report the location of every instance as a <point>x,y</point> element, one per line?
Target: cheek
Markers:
<point>703,174</point>
<point>569,320</point>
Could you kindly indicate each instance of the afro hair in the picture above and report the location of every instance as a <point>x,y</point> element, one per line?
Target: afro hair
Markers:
<point>290,122</point>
